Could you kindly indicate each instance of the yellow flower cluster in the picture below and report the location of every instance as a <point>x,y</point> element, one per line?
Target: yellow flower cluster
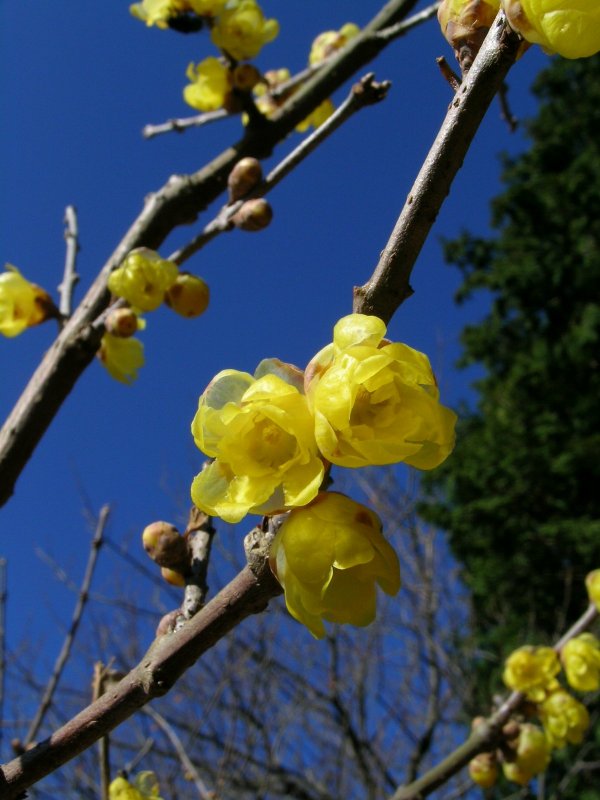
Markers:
<point>160,12</point>
<point>564,719</point>
<point>570,28</point>
<point>145,280</point>
<point>144,787</point>
<point>241,29</point>
<point>362,401</point>
<point>330,42</point>
<point>22,304</point>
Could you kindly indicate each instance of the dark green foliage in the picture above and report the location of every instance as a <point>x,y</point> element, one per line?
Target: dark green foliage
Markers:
<point>520,497</point>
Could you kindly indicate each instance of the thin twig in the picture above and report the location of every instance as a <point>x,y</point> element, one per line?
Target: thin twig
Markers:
<point>389,285</point>
<point>70,276</point>
<point>183,123</point>
<point>199,533</point>
<point>203,792</point>
<point>448,73</point>
<point>400,28</point>
<point>365,92</point>
<point>70,637</point>
<point>104,743</point>
<point>505,111</point>
<point>167,659</point>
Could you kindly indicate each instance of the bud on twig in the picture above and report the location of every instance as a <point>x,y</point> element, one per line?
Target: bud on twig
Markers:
<point>254,215</point>
<point>246,174</point>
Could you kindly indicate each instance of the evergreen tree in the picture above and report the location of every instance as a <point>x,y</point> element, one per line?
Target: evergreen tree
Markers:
<point>520,497</point>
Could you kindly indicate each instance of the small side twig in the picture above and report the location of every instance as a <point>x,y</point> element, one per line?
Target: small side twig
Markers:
<point>203,791</point>
<point>400,28</point>
<point>199,533</point>
<point>70,637</point>
<point>366,92</point>
<point>181,124</point>
<point>448,73</point>
<point>70,276</point>
<point>505,111</point>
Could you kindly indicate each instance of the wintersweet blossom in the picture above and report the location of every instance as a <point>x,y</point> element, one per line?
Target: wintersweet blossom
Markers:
<point>328,557</point>
<point>22,304</point>
<point>581,660</point>
<point>242,30</point>
<point>188,296</point>
<point>483,770</point>
<point>144,787</point>
<point>532,755</point>
<point>532,670</point>
<point>320,115</point>
<point>210,85</point>
<point>376,402</point>
<point>158,12</point>
<point>143,278</point>
<point>570,28</point>
<point>592,584</point>
<point>260,432</point>
<point>460,20</point>
<point>121,357</point>
<point>564,718</point>
<point>329,42</point>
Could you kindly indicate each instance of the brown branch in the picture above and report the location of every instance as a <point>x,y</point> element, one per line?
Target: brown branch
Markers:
<point>389,285</point>
<point>181,124</point>
<point>199,533</point>
<point>167,659</point>
<point>2,641</point>
<point>178,202</point>
<point>65,651</point>
<point>364,93</point>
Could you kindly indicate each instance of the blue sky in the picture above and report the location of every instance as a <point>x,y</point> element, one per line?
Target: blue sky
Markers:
<point>78,83</point>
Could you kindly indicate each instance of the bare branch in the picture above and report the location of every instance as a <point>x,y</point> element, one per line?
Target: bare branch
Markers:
<point>389,285</point>
<point>183,123</point>
<point>2,641</point>
<point>70,276</point>
<point>365,92</point>
<point>63,656</point>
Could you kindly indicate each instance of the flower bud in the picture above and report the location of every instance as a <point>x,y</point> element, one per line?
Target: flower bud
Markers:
<point>188,296</point>
<point>592,583</point>
<point>172,576</point>
<point>122,322</point>
<point>254,215</point>
<point>483,770</point>
<point>165,546</point>
<point>246,174</point>
<point>245,77</point>
<point>465,24</point>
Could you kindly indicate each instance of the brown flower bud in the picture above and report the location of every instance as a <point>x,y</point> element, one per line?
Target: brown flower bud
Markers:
<point>122,322</point>
<point>254,215</point>
<point>189,295</point>
<point>246,174</point>
<point>165,546</point>
<point>245,77</point>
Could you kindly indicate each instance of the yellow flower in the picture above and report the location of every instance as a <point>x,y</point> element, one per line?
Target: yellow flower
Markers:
<point>483,770</point>
<point>189,296</point>
<point>207,8</point>
<point>158,12</point>
<point>318,116</point>
<point>241,30</point>
<point>143,278</point>
<point>260,432</point>
<point>144,787</point>
<point>532,670</point>
<point>329,42</point>
<point>376,402</point>
<point>22,304</point>
<point>210,85</point>
<point>532,755</point>
<point>592,583</point>
<point>461,19</point>
<point>564,719</point>
<point>581,661</point>
<point>328,558</point>
<point>121,357</point>
<point>570,28</point>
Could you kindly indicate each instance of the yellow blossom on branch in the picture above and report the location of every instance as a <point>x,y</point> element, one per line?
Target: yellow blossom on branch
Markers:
<point>570,28</point>
<point>376,402</point>
<point>483,770</point>
<point>242,30</point>
<point>22,304</point>
<point>260,432</point>
<point>207,8</point>
<point>329,42</point>
<point>143,278</point>
<point>564,718</point>
<point>144,787</point>
<point>329,557</point>
<point>532,670</point>
<point>210,85</point>
<point>581,660</point>
<point>320,115</point>
<point>592,583</point>
<point>532,755</point>
<point>188,296</point>
<point>159,12</point>
<point>121,357</point>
